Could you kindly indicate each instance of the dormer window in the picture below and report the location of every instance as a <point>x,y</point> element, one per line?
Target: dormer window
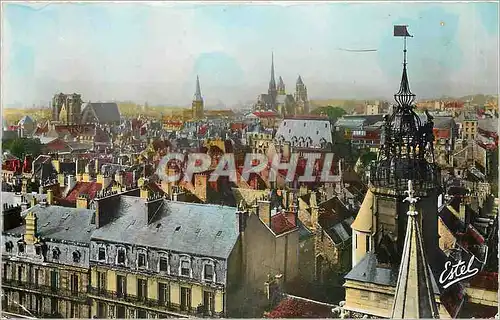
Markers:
<point>102,254</point>
<point>208,272</point>
<point>56,253</point>
<point>185,267</point>
<point>9,246</point>
<point>163,265</point>
<point>76,256</point>
<point>141,260</point>
<point>20,247</point>
<point>121,256</point>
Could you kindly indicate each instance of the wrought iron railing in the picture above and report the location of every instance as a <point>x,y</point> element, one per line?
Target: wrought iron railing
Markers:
<point>45,289</point>
<point>165,306</point>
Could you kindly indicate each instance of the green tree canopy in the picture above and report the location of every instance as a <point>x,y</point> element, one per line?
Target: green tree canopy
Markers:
<point>333,113</point>
<point>20,147</point>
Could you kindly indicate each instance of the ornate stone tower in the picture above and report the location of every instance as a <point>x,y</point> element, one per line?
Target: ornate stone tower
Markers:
<point>197,106</point>
<point>301,99</point>
<point>281,87</point>
<point>67,108</point>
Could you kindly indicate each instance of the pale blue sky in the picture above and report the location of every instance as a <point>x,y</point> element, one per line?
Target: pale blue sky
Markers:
<point>152,52</point>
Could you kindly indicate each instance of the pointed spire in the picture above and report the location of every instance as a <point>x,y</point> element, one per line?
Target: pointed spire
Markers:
<point>281,86</point>
<point>299,80</point>
<point>197,94</point>
<point>272,82</point>
<point>414,297</point>
<point>404,97</point>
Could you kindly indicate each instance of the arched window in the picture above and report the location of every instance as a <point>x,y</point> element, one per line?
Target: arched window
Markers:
<point>20,246</point>
<point>56,253</point>
<point>208,271</point>
<point>8,246</point>
<point>121,256</point>
<point>164,263</point>
<point>185,268</point>
<point>76,256</point>
<point>142,259</point>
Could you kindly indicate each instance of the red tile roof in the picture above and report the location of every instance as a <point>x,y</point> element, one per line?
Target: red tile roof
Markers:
<point>265,114</point>
<point>485,280</point>
<point>296,308</point>
<point>282,222</point>
<point>81,188</point>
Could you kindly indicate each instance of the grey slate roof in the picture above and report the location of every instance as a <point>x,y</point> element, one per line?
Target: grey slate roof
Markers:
<point>203,229</point>
<point>368,271</point>
<point>61,223</point>
<point>105,112</point>
<point>314,129</point>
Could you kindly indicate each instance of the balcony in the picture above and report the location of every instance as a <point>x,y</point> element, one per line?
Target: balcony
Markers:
<point>18,311</point>
<point>44,289</point>
<point>161,306</point>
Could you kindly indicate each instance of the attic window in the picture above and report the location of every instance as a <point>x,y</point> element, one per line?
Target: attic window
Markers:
<point>219,233</point>
<point>102,254</point>
<point>76,256</point>
<point>326,125</point>
<point>9,246</point>
<point>197,231</point>
<point>158,226</point>
<point>56,253</point>
<point>304,124</point>
<point>178,228</point>
<point>120,259</point>
<point>20,247</point>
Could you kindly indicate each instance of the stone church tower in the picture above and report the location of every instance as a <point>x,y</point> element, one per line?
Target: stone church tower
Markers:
<point>197,105</point>
<point>67,108</point>
<point>301,99</point>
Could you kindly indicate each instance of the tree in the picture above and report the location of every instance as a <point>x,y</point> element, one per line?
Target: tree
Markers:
<point>20,147</point>
<point>333,113</point>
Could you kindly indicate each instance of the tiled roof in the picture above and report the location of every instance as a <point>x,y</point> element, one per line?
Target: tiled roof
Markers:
<point>298,308</point>
<point>282,222</point>
<point>105,112</point>
<point>84,188</point>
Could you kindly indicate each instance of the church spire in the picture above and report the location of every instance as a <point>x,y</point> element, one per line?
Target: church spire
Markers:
<point>197,94</point>
<point>281,86</point>
<point>414,297</point>
<point>272,82</point>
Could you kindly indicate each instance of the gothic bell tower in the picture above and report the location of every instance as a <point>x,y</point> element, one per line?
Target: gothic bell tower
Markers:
<point>198,103</point>
<point>406,153</point>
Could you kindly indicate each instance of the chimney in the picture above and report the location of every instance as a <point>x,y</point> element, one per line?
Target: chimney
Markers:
<point>145,194</point>
<point>153,207</point>
<point>97,167</point>
<point>119,178</point>
<point>33,201</point>
<point>201,186</point>
<point>60,179</point>
<point>242,220</point>
<point>462,211</point>
<point>82,201</point>
<point>71,182</point>
<point>31,228</point>
<point>24,187</point>
<point>264,211</point>
<point>86,175</point>
<point>50,196</point>
<point>314,210</point>
<point>24,203</point>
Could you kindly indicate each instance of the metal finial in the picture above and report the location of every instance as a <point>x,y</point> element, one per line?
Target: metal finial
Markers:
<point>411,198</point>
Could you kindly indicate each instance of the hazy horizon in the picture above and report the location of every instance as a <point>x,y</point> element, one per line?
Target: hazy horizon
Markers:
<point>153,51</point>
